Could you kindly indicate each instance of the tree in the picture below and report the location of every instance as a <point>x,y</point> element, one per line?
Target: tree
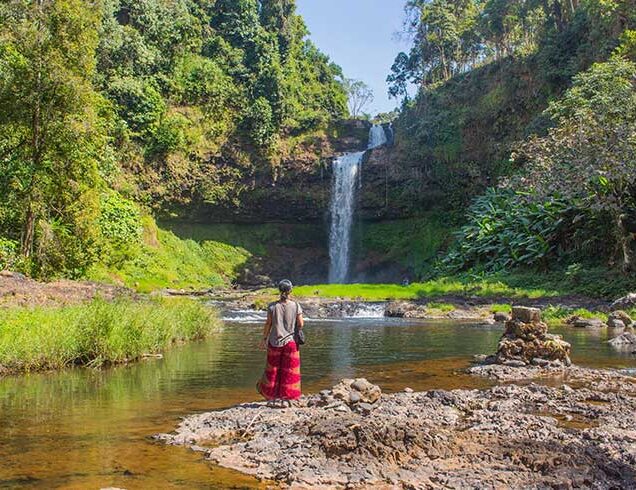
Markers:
<point>51,137</point>
<point>589,157</point>
<point>360,96</point>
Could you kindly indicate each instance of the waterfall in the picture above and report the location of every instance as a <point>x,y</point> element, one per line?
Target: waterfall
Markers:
<point>377,136</point>
<point>346,170</point>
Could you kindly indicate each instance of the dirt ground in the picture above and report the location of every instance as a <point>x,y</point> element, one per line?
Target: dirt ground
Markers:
<point>18,290</point>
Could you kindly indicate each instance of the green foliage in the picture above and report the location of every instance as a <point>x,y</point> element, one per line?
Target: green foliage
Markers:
<point>120,228</point>
<point>52,133</point>
<point>169,102</point>
<point>414,243</point>
<point>589,157</point>
<point>164,260</point>
<point>505,229</point>
<point>8,253</point>
<point>98,333</point>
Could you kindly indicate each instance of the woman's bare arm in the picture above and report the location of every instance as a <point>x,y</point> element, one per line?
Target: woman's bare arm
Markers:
<point>300,321</point>
<point>266,330</point>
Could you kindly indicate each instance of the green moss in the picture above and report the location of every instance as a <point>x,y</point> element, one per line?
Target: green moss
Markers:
<point>97,333</point>
<point>414,243</point>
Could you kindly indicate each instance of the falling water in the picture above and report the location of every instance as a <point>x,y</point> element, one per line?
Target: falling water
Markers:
<point>346,169</point>
<point>377,136</point>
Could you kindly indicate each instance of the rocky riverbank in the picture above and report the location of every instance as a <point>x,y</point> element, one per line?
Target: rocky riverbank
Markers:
<point>19,290</point>
<point>449,307</point>
<point>577,431</point>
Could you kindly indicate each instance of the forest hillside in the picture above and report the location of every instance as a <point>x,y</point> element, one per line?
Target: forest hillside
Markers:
<point>114,112</point>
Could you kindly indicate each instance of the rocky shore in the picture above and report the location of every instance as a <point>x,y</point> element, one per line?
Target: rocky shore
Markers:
<point>575,428</point>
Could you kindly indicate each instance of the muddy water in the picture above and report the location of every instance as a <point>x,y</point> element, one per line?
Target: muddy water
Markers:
<point>89,429</point>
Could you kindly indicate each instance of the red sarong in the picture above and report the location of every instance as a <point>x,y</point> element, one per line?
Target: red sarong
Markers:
<point>281,379</point>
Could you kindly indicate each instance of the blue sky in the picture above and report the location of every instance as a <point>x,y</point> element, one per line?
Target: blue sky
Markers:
<point>359,35</point>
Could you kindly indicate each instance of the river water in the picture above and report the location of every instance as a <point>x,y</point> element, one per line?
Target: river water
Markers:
<point>89,429</point>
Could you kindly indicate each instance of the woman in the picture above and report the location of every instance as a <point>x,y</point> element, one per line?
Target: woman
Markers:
<point>281,380</point>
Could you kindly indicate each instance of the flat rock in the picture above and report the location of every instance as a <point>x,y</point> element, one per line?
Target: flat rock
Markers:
<point>525,314</point>
<point>519,436</point>
<point>588,323</point>
<point>501,317</point>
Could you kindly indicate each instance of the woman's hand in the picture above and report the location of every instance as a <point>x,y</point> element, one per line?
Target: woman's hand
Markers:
<point>262,344</point>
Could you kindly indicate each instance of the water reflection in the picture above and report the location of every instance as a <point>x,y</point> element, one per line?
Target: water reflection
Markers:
<point>88,429</point>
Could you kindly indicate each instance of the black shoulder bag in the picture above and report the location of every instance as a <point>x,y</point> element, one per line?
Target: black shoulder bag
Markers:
<point>299,334</point>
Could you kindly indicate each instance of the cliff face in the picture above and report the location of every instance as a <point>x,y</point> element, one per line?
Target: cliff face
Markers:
<point>292,204</point>
<point>394,188</point>
<point>296,191</point>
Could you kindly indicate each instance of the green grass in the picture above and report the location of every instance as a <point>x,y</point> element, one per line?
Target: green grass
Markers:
<point>430,289</point>
<point>166,261</point>
<point>499,308</point>
<point>98,333</point>
<point>441,307</point>
<point>557,315</point>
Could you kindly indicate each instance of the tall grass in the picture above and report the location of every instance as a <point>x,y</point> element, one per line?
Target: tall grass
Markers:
<point>98,333</point>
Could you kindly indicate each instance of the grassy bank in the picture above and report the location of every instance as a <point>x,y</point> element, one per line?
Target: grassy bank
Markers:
<point>98,333</point>
<point>165,260</point>
<point>601,284</point>
<point>431,289</point>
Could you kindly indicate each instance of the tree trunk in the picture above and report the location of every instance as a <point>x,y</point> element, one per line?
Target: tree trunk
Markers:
<point>28,233</point>
<point>625,244</point>
<point>28,229</point>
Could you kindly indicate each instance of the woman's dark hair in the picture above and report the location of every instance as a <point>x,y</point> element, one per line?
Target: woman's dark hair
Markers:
<point>285,288</point>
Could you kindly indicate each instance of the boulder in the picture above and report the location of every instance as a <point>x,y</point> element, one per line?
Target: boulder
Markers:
<point>501,317</point>
<point>397,309</point>
<point>525,314</point>
<point>625,303</point>
<point>625,339</point>
<point>620,315</point>
<point>616,324</point>
<point>587,322</point>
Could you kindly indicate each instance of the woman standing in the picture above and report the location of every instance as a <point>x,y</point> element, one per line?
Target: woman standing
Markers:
<point>281,380</point>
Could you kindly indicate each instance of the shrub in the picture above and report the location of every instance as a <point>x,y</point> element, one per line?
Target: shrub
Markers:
<point>8,253</point>
<point>505,229</point>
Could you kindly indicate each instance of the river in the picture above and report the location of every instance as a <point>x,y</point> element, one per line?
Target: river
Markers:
<point>84,428</point>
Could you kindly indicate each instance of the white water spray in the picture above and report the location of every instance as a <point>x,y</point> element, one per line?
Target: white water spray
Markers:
<point>346,169</point>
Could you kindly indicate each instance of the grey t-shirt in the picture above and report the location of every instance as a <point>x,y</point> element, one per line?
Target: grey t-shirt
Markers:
<point>284,316</point>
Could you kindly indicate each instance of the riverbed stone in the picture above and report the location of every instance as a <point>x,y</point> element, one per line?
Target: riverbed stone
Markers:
<point>525,314</point>
<point>620,315</point>
<point>456,439</point>
<point>616,324</point>
<point>501,317</point>
<point>587,322</point>
<point>623,340</point>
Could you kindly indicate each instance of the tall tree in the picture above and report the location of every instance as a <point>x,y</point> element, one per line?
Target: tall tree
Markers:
<point>360,96</point>
<point>50,131</point>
